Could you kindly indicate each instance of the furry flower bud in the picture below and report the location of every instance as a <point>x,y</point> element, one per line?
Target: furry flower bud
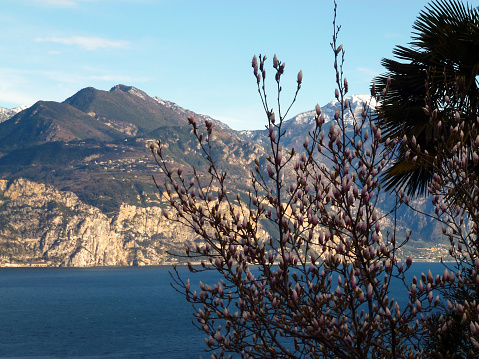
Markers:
<point>369,291</point>
<point>254,63</point>
<point>272,117</point>
<point>300,77</point>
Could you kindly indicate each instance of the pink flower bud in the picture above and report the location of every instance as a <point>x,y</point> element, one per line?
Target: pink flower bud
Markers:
<point>275,62</point>
<point>418,305</point>
<point>370,291</point>
<point>300,77</point>
<point>279,158</point>
<point>270,171</point>
<point>473,328</point>
<point>272,117</point>
<point>270,130</point>
<point>306,142</point>
<point>318,110</point>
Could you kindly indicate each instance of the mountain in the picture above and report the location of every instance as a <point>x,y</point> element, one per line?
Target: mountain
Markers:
<point>297,128</point>
<point>75,176</point>
<point>48,121</point>
<point>92,114</point>
<point>96,144</point>
<point>42,226</point>
<point>6,113</point>
<point>124,106</point>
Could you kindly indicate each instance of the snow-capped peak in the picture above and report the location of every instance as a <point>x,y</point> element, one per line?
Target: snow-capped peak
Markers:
<point>6,113</point>
<point>356,104</point>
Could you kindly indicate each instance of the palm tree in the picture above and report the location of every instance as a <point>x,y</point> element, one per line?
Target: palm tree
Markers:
<point>443,58</point>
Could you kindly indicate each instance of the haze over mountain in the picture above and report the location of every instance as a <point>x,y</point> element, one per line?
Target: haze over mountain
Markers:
<point>96,145</point>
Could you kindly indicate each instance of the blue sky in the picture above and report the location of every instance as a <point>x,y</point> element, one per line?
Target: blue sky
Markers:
<point>195,53</point>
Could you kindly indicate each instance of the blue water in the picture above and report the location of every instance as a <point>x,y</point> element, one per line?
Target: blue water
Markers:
<point>128,312</point>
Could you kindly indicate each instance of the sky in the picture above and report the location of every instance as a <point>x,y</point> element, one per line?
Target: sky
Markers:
<point>195,53</point>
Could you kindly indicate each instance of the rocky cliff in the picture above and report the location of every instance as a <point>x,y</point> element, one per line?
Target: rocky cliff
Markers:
<point>42,226</point>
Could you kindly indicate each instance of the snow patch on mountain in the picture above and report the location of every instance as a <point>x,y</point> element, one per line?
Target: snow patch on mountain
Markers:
<point>356,104</point>
<point>297,127</point>
<point>136,92</point>
<point>159,100</point>
<point>6,113</point>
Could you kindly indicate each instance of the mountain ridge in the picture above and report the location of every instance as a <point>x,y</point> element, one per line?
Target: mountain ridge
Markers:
<point>95,144</point>
<point>96,135</point>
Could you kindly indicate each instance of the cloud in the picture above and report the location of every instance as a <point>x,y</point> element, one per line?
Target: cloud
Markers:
<point>77,3</point>
<point>57,3</point>
<point>369,72</point>
<point>88,43</point>
<point>12,99</point>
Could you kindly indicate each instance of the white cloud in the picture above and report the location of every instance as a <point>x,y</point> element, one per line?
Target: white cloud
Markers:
<point>369,72</point>
<point>88,43</point>
<point>11,99</point>
<point>77,3</point>
<point>57,3</point>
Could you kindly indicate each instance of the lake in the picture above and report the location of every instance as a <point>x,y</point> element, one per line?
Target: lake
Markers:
<point>121,312</point>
